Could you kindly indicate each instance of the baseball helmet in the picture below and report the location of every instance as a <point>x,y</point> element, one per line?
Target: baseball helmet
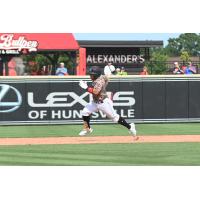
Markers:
<point>95,71</point>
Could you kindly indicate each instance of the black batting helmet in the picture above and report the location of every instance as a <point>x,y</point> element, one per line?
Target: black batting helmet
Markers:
<point>95,71</point>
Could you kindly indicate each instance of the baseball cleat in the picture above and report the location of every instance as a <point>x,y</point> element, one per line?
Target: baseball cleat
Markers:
<point>85,132</point>
<point>132,130</point>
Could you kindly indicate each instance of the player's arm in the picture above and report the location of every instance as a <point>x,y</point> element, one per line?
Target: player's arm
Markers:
<point>99,85</point>
<point>93,90</point>
<point>96,89</point>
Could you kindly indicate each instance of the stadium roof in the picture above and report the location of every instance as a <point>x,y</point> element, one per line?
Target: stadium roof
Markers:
<point>120,43</point>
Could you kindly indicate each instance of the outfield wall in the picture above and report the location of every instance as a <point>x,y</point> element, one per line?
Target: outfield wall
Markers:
<point>46,100</point>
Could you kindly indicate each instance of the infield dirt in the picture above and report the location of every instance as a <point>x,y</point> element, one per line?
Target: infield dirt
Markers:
<point>99,140</point>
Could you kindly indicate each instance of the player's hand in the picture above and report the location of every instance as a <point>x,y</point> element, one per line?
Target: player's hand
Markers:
<point>83,84</point>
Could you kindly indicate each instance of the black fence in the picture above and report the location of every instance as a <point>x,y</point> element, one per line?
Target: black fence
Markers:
<point>139,99</point>
<point>169,65</point>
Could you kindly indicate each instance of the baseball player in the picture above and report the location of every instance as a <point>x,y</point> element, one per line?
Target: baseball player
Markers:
<point>100,102</point>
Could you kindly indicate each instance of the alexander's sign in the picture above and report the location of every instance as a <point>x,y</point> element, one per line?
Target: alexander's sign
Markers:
<point>117,59</point>
<point>9,45</point>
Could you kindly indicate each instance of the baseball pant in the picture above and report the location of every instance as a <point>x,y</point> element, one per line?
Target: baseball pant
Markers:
<point>106,107</point>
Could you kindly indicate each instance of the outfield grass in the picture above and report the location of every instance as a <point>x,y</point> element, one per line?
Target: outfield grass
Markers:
<point>155,154</point>
<point>149,154</point>
<point>108,129</point>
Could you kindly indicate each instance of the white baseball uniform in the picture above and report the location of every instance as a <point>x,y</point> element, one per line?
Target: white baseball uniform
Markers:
<point>108,70</point>
<point>101,102</point>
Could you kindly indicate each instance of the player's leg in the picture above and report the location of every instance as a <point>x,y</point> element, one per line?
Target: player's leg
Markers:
<point>107,108</point>
<point>87,111</point>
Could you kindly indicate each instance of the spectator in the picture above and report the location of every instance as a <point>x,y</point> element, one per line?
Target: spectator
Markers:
<point>20,67</point>
<point>118,71</point>
<point>109,69</point>
<point>177,69</point>
<point>144,71</point>
<point>121,71</point>
<point>61,70</point>
<point>190,69</point>
<point>42,71</point>
<point>12,67</point>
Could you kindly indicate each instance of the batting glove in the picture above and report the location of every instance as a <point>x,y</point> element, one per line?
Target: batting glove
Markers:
<point>83,84</point>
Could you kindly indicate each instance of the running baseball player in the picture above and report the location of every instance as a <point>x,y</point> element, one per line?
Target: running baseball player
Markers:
<point>100,102</point>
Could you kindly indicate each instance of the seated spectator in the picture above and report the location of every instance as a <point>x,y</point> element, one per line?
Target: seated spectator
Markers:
<point>177,69</point>
<point>61,70</point>
<point>144,71</point>
<point>183,68</point>
<point>118,71</point>
<point>123,71</point>
<point>41,71</point>
<point>34,72</point>
<point>12,68</point>
<point>190,69</point>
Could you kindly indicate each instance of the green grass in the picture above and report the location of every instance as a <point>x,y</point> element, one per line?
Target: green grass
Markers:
<point>148,154</point>
<point>155,154</point>
<point>107,129</point>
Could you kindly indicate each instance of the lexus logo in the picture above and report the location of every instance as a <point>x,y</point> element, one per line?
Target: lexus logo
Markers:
<point>6,106</point>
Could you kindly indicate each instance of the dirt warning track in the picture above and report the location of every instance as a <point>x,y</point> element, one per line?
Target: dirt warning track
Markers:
<point>99,140</point>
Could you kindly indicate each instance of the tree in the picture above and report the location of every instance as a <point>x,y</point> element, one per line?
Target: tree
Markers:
<point>185,57</point>
<point>40,59</point>
<point>157,62</point>
<point>189,42</point>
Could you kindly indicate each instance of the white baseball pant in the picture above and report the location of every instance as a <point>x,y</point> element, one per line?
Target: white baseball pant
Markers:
<point>106,107</point>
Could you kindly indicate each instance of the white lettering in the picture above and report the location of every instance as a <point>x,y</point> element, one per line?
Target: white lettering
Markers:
<point>69,99</point>
<point>141,59</point>
<point>89,59</point>
<point>77,114</point>
<point>123,59</point>
<point>134,58</point>
<point>102,114</point>
<point>105,58</point>
<point>96,59</point>
<point>34,114</point>
<point>95,115</point>
<point>54,99</point>
<point>43,113</point>
<point>122,114</point>
<point>111,59</point>
<point>127,101</point>
<point>117,59</point>
<point>7,42</point>
<point>63,114</point>
<point>131,113</point>
<point>100,59</point>
<point>56,114</point>
<point>66,116</point>
<point>129,60</point>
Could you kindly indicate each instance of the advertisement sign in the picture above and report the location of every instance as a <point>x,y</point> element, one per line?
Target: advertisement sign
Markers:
<point>57,102</point>
<point>116,55</point>
<point>45,101</point>
<point>9,45</point>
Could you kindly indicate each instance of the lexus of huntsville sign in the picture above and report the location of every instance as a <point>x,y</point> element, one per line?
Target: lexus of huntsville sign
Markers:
<point>117,59</point>
<point>9,45</point>
<point>144,99</point>
<point>56,102</point>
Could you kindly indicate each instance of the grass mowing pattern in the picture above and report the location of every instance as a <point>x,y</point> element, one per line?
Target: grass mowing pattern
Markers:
<point>107,129</point>
<point>153,154</point>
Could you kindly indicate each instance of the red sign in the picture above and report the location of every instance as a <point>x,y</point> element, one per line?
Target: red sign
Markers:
<point>7,42</point>
<point>11,43</point>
